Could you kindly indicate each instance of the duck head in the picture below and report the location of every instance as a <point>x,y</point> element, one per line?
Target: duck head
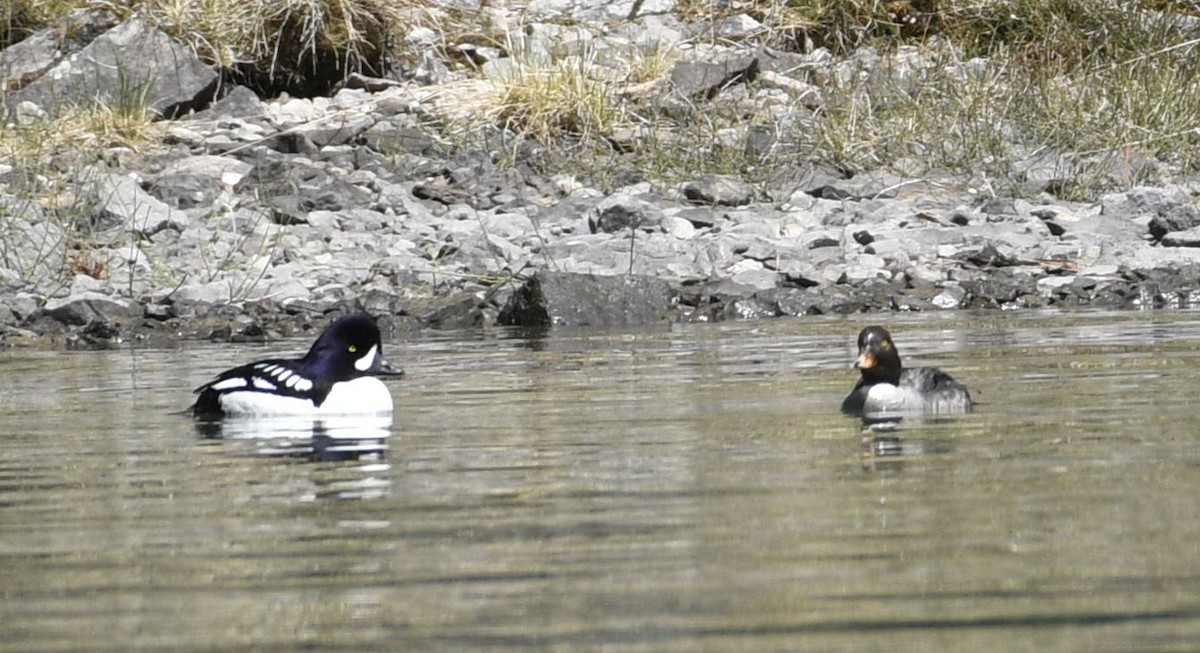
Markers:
<point>878,359</point>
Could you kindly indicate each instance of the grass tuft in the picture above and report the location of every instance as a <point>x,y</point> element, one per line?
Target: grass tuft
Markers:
<point>545,100</point>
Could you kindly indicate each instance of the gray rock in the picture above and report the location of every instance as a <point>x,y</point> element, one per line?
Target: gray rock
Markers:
<point>621,212</point>
<point>32,246</point>
<point>458,310</point>
<point>789,301</point>
<point>226,170</point>
<point>577,300</point>
<point>365,199</point>
<point>952,295</point>
<point>516,227</point>
<point>705,80</point>
<point>679,227</point>
<point>121,205</point>
<point>210,292</point>
<point>187,190</point>
<point>360,82</point>
<point>1072,224</point>
<point>865,185</point>
<point>1186,238</point>
<point>998,289</point>
<point>200,181</point>
<point>999,206</point>
<point>718,190</point>
<point>292,188</point>
<point>737,27</point>
<point>400,199</point>
<point>291,142</point>
<point>1046,171</point>
<point>447,189</point>
<point>432,70</point>
<point>82,309</point>
<point>239,102</point>
<point>338,129</point>
<point>387,138</point>
<point>133,62</point>
<point>25,61</point>
<point>700,217</point>
<point>757,278</point>
<point>1174,219</point>
<point>1142,201</point>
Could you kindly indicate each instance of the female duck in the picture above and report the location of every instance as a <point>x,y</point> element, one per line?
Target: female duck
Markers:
<point>886,387</point>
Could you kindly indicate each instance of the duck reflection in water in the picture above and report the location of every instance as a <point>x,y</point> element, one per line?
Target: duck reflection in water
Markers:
<point>324,439</point>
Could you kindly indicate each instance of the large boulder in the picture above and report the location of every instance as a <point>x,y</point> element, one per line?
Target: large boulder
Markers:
<point>564,299</point>
<point>130,64</point>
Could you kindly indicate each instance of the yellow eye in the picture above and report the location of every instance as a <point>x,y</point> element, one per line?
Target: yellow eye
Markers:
<point>885,344</point>
<point>353,348</point>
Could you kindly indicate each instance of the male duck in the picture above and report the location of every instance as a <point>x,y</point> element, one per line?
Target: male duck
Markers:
<point>336,377</point>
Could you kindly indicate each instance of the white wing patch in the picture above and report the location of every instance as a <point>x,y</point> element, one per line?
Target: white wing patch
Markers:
<point>297,382</point>
<point>273,376</point>
<point>229,384</point>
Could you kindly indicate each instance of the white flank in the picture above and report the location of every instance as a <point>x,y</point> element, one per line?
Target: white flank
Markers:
<point>365,396</point>
<point>229,384</point>
<point>263,403</point>
<point>363,364</point>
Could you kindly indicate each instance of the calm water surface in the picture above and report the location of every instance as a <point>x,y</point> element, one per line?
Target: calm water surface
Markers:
<point>692,489</point>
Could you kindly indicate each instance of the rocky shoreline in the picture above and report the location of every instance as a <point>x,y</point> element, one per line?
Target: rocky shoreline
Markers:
<point>258,218</point>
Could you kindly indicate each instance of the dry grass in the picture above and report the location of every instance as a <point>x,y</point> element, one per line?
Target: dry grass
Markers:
<point>45,154</point>
<point>547,99</point>
<point>80,135</point>
<point>19,18</point>
<point>580,99</point>
<point>1073,76</point>
<point>1083,79</point>
<point>301,45</point>
<point>1098,83</point>
<point>223,32</point>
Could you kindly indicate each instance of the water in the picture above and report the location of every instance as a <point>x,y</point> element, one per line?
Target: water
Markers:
<point>691,489</point>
